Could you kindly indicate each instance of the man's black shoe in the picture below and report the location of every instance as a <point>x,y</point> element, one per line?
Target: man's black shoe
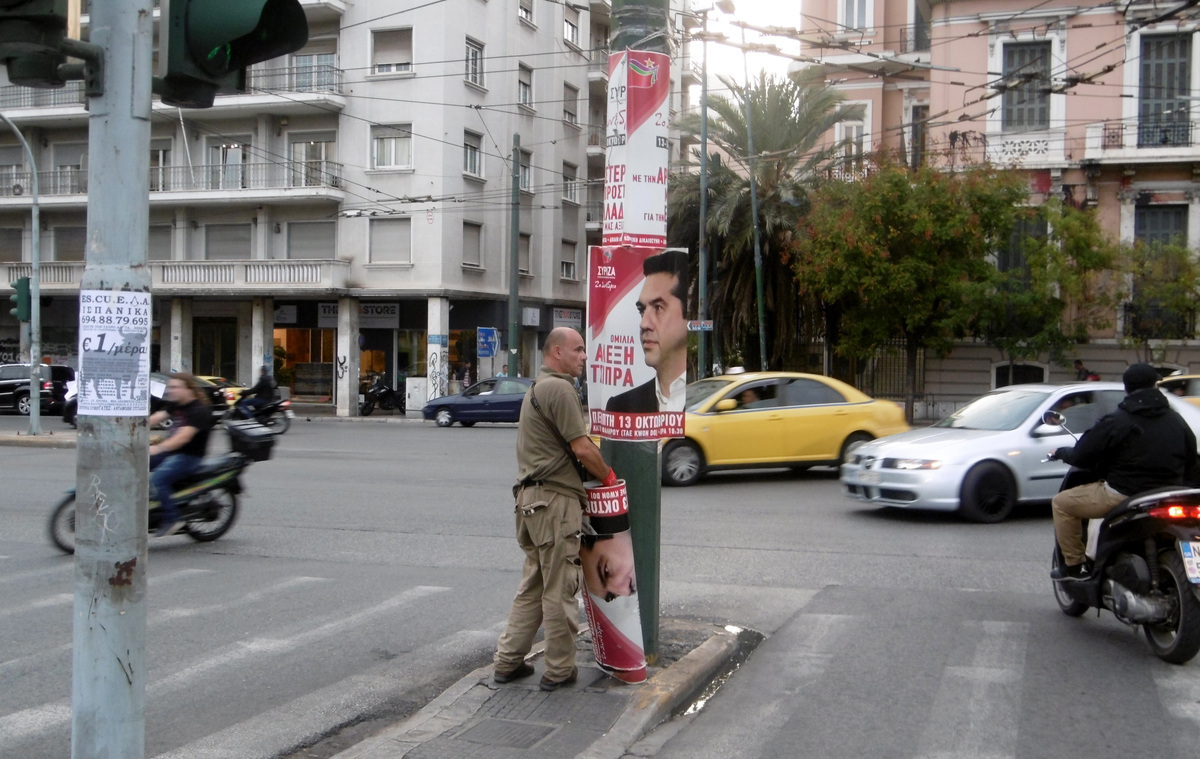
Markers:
<point>1070,572</point>
<point>522,670</point>
<point>547,684</point>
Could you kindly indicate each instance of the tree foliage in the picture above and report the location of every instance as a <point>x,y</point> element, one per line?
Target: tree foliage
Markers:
<point>790,116</point>
<point>1160,305</point>
<point>899,253</point>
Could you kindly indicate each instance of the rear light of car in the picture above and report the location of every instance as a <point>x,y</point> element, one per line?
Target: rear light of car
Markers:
<point>47,385</point>
<point>285,404</point>
<point>1175,511</point>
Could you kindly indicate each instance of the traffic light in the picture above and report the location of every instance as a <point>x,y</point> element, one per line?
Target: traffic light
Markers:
<point>21,298</point>
<point>209,44</point>
<point>31,36</point>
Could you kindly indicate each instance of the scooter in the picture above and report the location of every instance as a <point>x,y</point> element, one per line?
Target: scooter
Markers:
<point>276,414</point>
<point>380,394</point>
<point>1145,557</point>
<point>207,500</point>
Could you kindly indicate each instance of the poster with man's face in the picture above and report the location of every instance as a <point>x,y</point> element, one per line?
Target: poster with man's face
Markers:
<point>637,341</point>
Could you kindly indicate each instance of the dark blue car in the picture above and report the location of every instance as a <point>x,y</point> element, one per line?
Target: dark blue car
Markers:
<point>493,400</point>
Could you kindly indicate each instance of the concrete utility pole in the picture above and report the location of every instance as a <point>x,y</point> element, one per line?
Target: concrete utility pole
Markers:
<point>108,717</point>
<point>514,265</point>
<point>642,25</point>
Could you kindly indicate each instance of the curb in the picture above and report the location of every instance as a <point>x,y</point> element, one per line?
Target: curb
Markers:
<point>44,440</point>
<point>662,694</point>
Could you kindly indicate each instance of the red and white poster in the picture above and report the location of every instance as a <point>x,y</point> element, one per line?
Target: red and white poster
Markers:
<point>637,341</point>
<point>637,149</point>
<point>610,584</point>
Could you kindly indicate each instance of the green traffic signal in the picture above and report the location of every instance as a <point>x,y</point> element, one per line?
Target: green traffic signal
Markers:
<point>31,36</point>
<point>209,44</point>
<point>21,298</point>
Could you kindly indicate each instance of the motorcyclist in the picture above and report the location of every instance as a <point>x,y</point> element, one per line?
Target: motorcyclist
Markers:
<point>258,396</point>
<point>181,452</point>
<point>1144,444</point>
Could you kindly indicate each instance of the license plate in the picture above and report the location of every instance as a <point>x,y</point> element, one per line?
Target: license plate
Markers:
<point>361,397</point>
<point>1191,560</point>
<point>289,414</point>
<point>868,478</point>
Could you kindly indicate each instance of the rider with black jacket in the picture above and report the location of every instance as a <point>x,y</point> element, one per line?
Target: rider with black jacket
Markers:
<point>1144,444</point>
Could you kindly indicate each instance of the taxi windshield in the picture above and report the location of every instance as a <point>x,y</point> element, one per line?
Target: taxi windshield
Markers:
<point>701,390</point>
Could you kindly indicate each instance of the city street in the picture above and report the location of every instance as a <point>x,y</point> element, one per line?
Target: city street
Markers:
<point>372,565</point>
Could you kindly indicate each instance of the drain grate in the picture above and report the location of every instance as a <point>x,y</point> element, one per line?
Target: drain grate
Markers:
<point>505,732</point>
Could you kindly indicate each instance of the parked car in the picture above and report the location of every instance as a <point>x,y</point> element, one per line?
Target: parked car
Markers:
<point>493,400</point>
<point>158,386</point>
<point>14,386</point>
<point>1186,386</point>
<point>773,419</point>
<point>985,458</point>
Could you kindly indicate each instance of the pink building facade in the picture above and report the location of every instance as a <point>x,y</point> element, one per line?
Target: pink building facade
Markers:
<point>1092,99</point>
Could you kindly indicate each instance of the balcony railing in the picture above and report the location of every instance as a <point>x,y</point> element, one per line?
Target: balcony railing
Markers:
<point>318,78</point>
<point>315,274</point>
<point>1144,134</point>
<point>599,61</point>
<point>13,97</point>
<point>245,176</point>
<point>915,38</point>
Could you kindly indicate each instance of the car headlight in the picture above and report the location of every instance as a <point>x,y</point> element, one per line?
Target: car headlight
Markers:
<point>910,464</point>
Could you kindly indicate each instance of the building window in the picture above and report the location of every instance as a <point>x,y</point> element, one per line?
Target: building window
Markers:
<point>525,10</point>
<point>525,86</point>
<point>920,135</point>
<point>227,164</point>
<point>10,244</point>
<point>391,241</point>
<point>474,64</point>
<point>1014,259</point>
<point>227,242</point>
<point>571,26</point>
<point>69,176</point>
<point>524,246</point>
<point>158,243</point>
<point>1163,92</point>
<point>392,51</point>
<point>566,260</point>
<point>473,154</point>
<point>854,14</point>
<point>315,72</point>
<point>160,161</point>
<point>1027,86</point>
<point>312,239</point>
<point>1162,230</point>
<point>853,137</point>
<point>391,147</point>
<point>69,243</point>
<point>472,244</point>
<point>570,104</point>
<point>311,155</point>
<point>570,174</point>
<point>12,171</point>
<point>526,171</point>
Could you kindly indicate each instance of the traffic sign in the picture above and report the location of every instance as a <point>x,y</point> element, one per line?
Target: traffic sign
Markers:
<point>700,326</point>
<point>487,341</point>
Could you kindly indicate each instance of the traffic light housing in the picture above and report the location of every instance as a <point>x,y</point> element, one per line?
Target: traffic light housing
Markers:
<point>21,298</point>
<point>31,38</point>
<point>209,44</point>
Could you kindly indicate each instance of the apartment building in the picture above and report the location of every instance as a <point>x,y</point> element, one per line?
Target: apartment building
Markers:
<point>369,172</point>
<point>1091,99</point>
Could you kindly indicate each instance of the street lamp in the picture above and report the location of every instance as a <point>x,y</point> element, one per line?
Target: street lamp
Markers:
<point>758,281</point>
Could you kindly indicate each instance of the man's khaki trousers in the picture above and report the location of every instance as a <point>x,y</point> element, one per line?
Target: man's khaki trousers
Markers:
<point>1070,507</point>
<point>550,539</point>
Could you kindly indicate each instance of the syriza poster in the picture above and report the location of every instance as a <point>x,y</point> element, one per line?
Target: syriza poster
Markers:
<point>637,341</point>
<point>637,149</point>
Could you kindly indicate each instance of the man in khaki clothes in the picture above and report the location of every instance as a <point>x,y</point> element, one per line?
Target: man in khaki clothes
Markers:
<point>549,505</point>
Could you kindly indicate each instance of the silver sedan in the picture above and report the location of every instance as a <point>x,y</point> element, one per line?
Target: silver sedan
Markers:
<point>985,458</point>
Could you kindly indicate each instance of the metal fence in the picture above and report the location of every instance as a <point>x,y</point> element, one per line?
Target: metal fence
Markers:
<point>244,176</point>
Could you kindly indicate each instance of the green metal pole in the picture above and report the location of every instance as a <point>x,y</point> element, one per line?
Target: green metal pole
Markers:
<point>641,25</point>
<point>702,294</point>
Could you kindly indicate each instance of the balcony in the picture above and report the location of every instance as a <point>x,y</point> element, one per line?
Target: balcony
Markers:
<point>598,73</point>
<point>270,182</point>
<point>207,277</point>
<point>595,143</point>
<point>595,215</point>
<point>321,78</point>
<point>1143,141</point>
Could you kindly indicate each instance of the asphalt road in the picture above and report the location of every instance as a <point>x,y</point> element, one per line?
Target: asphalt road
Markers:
<point>373,564</point>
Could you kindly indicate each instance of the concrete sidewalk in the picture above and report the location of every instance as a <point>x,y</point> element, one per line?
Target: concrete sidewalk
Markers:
<point>598,717</point>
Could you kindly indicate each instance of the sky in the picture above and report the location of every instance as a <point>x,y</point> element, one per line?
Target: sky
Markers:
<point>723,59</point>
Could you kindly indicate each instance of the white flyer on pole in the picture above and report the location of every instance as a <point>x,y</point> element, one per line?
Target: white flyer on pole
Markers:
<point>114,353</point>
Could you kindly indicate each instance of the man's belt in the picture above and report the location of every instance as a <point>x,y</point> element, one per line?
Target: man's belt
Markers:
<point>528,482</point>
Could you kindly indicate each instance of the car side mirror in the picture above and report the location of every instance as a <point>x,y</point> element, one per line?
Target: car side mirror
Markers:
<point>726,404</point>
<point>1053,418</point>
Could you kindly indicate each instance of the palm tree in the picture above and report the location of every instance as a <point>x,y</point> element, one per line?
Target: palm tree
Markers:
<point>791,116</point>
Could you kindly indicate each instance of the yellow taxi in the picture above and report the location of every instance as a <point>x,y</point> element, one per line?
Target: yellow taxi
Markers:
<point>231,392</point>
<point>773,419</point>
<point>1187,386</point>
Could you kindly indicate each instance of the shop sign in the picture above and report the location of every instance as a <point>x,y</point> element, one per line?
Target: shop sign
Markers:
<point>370,315</point>
<point>568,317</point>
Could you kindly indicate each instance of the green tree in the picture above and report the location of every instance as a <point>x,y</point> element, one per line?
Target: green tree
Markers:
<point>1050,288</point>
<point>898,254</point>
<point>790,117</point>
<point>1160,308</point>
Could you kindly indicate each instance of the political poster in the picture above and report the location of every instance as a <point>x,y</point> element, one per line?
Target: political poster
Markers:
<point>114,353</point>
<point>637,337</point>
<point>637,149</point>
<point>610,584</point>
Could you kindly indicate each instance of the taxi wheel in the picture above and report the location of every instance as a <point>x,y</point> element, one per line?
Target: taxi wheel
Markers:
<point>852,442</point>
<point>682,463</point>
<point>988,494</point>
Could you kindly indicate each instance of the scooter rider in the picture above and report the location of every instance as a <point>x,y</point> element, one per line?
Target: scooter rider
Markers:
<point>1144,444</point>
<point>258,396</point>
<point>181,452</point>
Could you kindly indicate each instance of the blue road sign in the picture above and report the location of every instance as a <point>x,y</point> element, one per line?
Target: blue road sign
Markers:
<point>487,342</point>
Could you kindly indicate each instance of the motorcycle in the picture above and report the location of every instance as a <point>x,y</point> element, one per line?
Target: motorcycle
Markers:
<point>1145,556</point>
<point>276,414</point>
<point>207,500</point>
<point>379,394</point>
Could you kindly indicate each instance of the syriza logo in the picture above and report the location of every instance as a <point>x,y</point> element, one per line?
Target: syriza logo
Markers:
<point>606,272</point>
